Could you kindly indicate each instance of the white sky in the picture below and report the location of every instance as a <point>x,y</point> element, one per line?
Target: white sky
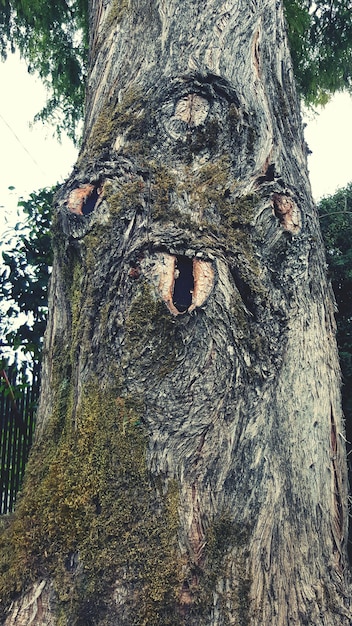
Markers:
<point>329,136</point>
<point>35,159</point>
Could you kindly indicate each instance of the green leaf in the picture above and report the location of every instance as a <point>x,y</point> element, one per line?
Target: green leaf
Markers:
<point>24,281</point>
<point>336,224</point>
<point>320,37</point>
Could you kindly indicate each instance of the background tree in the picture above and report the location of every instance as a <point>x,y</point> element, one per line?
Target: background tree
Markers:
<point>27,260</point>
<point>320,35</point>
<point>52,37</point>
<point>336,223</point>
<point>189,466</point>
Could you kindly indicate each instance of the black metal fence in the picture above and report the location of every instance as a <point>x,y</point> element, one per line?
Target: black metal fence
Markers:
<point>18,401</point>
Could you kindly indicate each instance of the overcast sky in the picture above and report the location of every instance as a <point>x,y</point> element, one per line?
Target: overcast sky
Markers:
<point>31,158</point>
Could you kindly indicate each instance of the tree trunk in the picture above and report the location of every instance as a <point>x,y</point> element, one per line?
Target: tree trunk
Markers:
<point>189,465</point>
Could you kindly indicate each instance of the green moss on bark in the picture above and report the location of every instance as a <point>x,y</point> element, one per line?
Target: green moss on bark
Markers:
<point>126,196</point>
<point>90,519</point>
<point>164,184</point>
<point>226,553</point>
<point>127,117</point>
<point>149,324</point>
<point>210,193</point>
<point>117,11</point>
<point>202,139</point>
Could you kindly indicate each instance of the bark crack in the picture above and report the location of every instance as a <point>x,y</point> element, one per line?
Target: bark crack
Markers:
<point>337,508</point>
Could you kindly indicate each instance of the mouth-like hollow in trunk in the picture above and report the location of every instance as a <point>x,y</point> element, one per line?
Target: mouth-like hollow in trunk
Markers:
<point>184,284</point>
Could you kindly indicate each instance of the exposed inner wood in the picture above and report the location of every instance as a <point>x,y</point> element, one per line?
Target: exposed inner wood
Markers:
<point>165,273</point>
<point>79,199</point>
<point>288,212</point>
<point>192,109</point>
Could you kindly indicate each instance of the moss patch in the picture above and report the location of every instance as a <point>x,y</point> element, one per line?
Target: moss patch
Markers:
<point>89,516</point>
<point>226,544</point>
<point>163,185</point>
<point>127,196</point>
<point>127,117</point>
<point>217,187</point>
<point>213,193</point>
<point>149,323</point>
<point>210,193</point>
<point>200,139</point>
<point>117,11</point>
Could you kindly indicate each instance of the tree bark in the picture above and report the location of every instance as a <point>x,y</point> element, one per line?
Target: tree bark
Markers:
<point>189,465</point>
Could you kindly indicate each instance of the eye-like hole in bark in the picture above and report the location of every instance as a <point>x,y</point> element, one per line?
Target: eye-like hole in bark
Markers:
<point>90,202</point>
<point>184,284</point>
<point>192,109</point>
<point>84,199</point>
<point>287,211</point>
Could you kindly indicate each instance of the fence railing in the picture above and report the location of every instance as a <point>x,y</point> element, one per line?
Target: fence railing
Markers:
<point>18,403</point>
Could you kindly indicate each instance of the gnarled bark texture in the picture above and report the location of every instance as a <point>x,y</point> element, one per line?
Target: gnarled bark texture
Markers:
<point>190,464</point>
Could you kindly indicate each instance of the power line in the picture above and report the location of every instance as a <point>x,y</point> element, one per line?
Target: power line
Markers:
<point>22,145</point>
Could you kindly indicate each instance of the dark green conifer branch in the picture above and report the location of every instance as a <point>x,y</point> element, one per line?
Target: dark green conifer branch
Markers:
<point>320,36</point>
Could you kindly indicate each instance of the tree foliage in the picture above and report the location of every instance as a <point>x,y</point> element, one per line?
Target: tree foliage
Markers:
<point>27,260</point>
<point>336,223</point>
<point>320,36</point>
<point>52,38</point>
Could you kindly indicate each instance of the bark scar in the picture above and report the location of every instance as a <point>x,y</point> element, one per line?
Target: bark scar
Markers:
<point>192,109</point>
<point>338,511</point>
<point>256,52</point>
<point>287,211</point>
<point>166,270</point>
<point>84,199</point>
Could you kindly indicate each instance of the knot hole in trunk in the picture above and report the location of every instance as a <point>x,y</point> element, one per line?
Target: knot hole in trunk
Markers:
<point>184,283</point>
